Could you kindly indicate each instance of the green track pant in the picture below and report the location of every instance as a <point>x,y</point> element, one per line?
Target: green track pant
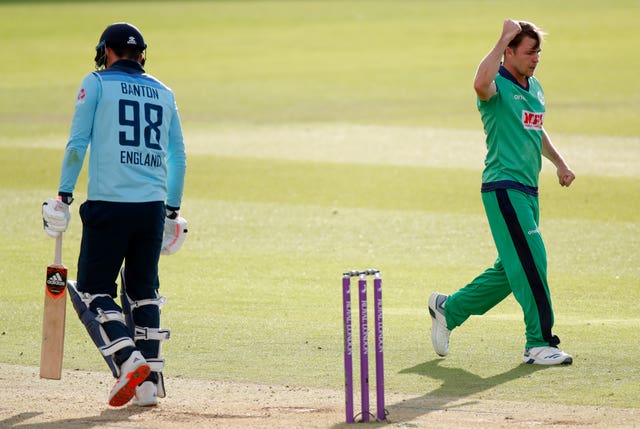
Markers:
<point>521,268</point>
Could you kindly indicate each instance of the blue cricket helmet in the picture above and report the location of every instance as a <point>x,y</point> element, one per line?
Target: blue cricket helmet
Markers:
<point>119,34</point>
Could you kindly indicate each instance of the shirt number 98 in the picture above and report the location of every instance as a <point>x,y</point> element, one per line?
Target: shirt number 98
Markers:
<point>129,117</point>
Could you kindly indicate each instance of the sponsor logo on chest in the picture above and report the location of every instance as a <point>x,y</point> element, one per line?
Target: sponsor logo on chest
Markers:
<point>532,120</point>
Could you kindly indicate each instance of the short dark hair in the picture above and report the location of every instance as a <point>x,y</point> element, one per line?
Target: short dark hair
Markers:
<point>528,30</point>
<point>124,51</point>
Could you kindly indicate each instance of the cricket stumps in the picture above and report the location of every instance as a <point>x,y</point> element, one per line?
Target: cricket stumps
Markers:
<point>364,344</point>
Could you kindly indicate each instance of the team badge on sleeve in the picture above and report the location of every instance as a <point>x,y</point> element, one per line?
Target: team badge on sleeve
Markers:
<point>81,96</point>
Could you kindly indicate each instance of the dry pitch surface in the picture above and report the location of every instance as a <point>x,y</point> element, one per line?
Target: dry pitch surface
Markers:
<point>79,401</point>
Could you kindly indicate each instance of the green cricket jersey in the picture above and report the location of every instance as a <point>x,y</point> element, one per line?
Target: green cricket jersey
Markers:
<point>512,121</point>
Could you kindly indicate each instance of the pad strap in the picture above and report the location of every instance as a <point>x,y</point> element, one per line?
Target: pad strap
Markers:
<point>109,316</point>
<point>115,345</point>
<point>88,298</point>
<point>160,301</point>
<point>118,344</point>
<point>156,365</point>
<point>143,333</point>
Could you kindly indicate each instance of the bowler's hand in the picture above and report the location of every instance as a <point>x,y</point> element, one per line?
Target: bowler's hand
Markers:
<point>510,29</point>
<point>565,176</point>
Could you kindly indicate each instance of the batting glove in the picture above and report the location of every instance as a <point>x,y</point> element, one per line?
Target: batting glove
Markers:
<point>55,217</point>
<point>175,232</point>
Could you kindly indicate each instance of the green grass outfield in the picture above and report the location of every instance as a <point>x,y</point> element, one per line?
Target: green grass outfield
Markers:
<point>330,135</point>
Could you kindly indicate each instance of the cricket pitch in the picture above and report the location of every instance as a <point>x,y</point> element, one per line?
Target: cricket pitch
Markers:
<point>79,401</point>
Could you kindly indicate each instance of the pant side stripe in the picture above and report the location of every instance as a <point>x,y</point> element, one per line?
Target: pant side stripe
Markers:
<point>528,263</point>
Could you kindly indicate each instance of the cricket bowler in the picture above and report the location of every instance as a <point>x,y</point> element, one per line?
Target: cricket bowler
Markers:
<point>512,108</point>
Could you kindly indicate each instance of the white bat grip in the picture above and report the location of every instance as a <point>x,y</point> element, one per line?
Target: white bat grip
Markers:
<point>57,259</point>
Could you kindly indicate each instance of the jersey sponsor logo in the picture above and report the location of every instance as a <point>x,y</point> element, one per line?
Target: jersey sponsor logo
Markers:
<point>519,97</point>
<point>541,97</point>
<point>532,120</point>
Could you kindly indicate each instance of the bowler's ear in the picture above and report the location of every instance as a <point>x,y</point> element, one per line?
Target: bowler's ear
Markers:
<point>509,52</point>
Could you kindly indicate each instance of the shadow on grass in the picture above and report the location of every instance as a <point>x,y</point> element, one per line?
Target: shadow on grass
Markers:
<point>456,384</point>
<point>109,417</point>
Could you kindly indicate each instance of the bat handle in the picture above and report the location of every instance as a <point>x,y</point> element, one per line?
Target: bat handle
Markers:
<point>58,255</point>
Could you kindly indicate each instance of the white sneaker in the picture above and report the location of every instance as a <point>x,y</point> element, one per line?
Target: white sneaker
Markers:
<point>439,331</point>
<point>546,356</point>
<point>132,372</point>
<point>146,395</point>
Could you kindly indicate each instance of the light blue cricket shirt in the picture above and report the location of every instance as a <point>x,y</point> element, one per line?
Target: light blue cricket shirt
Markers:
<point>130,120</point>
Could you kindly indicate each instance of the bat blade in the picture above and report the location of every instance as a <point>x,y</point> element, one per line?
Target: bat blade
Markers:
<point>55,304</point>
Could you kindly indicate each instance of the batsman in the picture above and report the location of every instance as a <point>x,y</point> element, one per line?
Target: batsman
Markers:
<point>136,170</point>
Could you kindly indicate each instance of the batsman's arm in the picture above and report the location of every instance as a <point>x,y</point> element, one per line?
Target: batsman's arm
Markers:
<point>80,134</point>
<point>176,162</point>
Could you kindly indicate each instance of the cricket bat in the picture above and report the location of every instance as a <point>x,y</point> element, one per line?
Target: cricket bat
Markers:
<point>55,304</point>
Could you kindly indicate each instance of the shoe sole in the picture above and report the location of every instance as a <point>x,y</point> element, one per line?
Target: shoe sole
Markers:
<point>128,390</point>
